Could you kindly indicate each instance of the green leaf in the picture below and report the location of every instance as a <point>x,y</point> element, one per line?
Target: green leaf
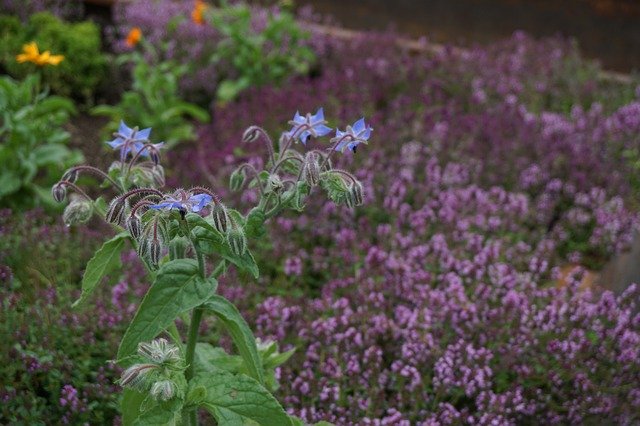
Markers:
<point>240,332</point>
<point>130,405</point>
<point>178,288</point>
<point>208,358</point>
<point>230,396</point>
<point>105,260</point>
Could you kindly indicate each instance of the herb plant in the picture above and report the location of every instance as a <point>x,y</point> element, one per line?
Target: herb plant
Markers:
<point>154,101</point>
<point>32,141</point>
<point>178,234</point>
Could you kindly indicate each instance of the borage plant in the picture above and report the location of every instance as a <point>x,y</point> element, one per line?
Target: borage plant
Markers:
<point>177,234</point>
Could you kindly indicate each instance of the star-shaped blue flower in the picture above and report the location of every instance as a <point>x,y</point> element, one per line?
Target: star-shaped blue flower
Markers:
<point>184,202</point>
<point>314,125</point>
<point>353,136</point>
<point>133,141</point>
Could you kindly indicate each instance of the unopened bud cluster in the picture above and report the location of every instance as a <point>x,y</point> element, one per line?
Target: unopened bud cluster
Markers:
<point>160,372</point>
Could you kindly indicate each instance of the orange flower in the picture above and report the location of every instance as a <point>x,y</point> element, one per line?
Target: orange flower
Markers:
<point>198,10</point>
<point>30,53</point>
<point>133,37</point>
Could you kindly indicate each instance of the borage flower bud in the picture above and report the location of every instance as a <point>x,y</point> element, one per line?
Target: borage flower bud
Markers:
<point>115,212</point>
<point>134,225</point>
<point>163,390</point>
<point>59,192</point>
<point>159,351</point>
<point>78,211</point>
<point>134,376</point>
<point>357,193</point>
<point>155,250</point>
<point>311,169</point>
<point>143,247</point>
<point>251,134</point>
<point>237,241</point>
<point>71,175</point>
<point>220,218</point>
<point>236,180</point>
<point>274,184</point>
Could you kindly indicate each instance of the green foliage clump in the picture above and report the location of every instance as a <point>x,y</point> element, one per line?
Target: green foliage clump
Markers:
<point>84,66</point>
<point>32,141</point>
<point>261,57</point>
<point>154,101</point>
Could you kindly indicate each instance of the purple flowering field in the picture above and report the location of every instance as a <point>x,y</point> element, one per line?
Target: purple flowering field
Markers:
<point>499,181</point>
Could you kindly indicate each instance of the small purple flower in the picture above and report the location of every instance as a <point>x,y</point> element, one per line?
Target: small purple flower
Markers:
<point>352,136</point>
<point>314,125</point>
<point>133,140</point>
<point>184,201</point>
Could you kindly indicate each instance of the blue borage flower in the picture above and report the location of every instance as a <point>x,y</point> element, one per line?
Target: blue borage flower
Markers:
<point>133,141</point>
<point>310,125</point>
<point>352,136</point>
<point>184,202</point>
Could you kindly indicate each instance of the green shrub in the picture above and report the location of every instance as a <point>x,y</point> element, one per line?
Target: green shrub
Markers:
<point>32,141</point>
<point>83,67</point>
<point>154,101</point>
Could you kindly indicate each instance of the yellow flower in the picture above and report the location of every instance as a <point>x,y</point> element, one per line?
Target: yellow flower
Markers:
<point>32,54</point>
<point>198,10</point>
<point>133,37</point>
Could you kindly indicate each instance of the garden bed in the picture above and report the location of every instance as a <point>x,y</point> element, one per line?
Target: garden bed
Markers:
<point>465,282</point>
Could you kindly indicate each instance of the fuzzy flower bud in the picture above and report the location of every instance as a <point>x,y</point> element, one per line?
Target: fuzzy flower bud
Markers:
<point>236,180</point>
<point>356,193</point>
<point>143,247</point>
<point>136,375</point>
<point>220,218</point>
<point>134,225</point>
<point>159,351</point>
<point>251,134</point>
<point>274,184</point>
<point>59,192</point>
<point>163,390</point>
<point>311,169</point>
<point>237,241</point>
<point>115,212</point>
<point>155,250</point>
<point>71,175</point>
<point>78,211</point>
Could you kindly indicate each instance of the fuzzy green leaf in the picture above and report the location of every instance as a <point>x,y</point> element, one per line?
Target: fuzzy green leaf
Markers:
<point>177,289</point>
<point>233,396</point>
<point>105,260</point>
<point>240,332</point>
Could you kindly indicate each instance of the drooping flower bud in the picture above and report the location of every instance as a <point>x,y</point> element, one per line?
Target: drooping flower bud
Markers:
<point>163,390</point>
<point>311,169</point>
<point>143,247</point>
<point>220,218</point>
<point>357,193</point>
<point>236,180</point>
<point>237,241</point>
<point>71,175</point>
<point>134,376</point>
<point>274,184</point>
<point>59,192</point>
<point>115,212</point>
<point>155,250</point>
<point>251,134</point>
<point>134,225</point>
<point>79,210</point>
